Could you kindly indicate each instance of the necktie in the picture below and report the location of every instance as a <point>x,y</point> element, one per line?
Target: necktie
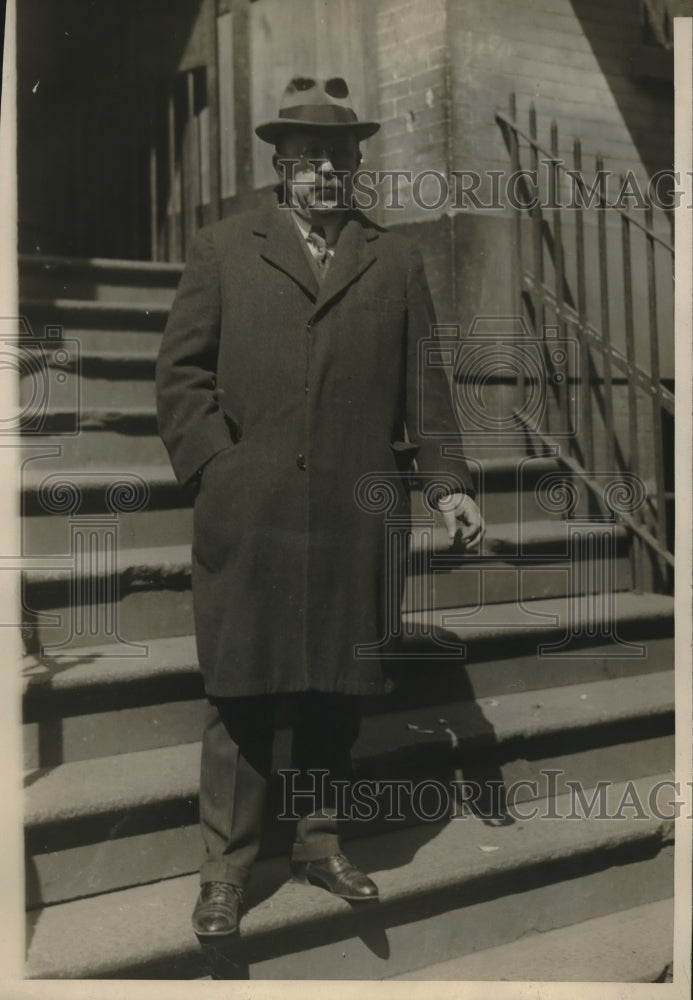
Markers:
<point>318,242</point>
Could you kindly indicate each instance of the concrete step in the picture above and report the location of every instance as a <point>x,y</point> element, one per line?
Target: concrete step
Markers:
<point>105,785</point>
<point>116,393</point>
<point>448,579</point>
<point>163,490</point>
<point>108,362</point>
<point>156,525</point>
<point>150,597</point>
<point>530,744</point>
<point>443,610</point>
<point>447,889</point>
<point>103,280</point>
<point>72,453</point>
<point>167,517</point>
<point>595,617</point>
<point>113,378</point>
<point>494,476</point>
<point>74,315</point>
<point>629,946</point>
<point>83,337</point>
<point>533,544</point>
<point>93,700</point>
<point>111,706</point>
<point>167,520</point>
<point>135,421</point>
<point>139,615</point>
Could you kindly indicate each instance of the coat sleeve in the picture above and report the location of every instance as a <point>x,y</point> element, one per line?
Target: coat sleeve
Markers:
<point>191,423</point>
<point>430,417</point>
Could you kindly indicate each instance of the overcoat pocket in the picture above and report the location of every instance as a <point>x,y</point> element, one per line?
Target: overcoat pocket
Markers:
<point>213,514</point>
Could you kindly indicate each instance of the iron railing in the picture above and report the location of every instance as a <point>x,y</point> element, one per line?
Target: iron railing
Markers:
<point>615,298</point>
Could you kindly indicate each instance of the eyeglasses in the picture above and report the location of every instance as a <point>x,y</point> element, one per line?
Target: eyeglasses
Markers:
<point>340,155</point>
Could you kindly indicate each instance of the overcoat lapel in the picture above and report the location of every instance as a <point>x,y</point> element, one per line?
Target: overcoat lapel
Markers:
<point>282,249</point>
<point>355,253</point>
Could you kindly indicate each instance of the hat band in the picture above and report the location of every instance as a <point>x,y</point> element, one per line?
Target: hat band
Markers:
<point>314,114</point>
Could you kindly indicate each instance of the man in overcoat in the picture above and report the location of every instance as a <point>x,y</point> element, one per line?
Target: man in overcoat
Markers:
<point>289,390</point>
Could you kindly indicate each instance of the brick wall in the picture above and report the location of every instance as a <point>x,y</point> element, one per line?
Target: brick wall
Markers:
<point>575,59</point>
<point>446,66</point>
<point>413,73</point>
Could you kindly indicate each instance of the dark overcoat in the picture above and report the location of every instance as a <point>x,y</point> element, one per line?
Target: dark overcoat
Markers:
<point>293,397</point>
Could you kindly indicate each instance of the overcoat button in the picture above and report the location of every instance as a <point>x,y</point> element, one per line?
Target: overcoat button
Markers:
<point>301,461</point>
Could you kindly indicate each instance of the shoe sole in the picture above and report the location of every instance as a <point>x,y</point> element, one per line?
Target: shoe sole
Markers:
<point>215,934</point>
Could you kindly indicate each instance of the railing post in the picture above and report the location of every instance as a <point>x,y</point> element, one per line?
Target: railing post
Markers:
<point>537,240</point>
<point>598,356</point>
<point>520,384</point>
<point>657,428</point>
<point>633,437</point>
<point>585,352</point>
<point>562,376</point>
<point>609,443</point>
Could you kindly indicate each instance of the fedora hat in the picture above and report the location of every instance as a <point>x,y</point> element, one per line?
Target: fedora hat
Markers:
<point>308,102</point>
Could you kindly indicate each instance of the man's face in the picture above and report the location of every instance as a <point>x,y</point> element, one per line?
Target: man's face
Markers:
<point>316,166</point>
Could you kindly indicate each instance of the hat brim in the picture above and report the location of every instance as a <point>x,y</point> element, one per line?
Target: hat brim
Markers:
<point>272,131</point>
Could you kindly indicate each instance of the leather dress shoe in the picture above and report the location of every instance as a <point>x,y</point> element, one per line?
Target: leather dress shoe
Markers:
<point>337,875</point>
<point>218,909</point>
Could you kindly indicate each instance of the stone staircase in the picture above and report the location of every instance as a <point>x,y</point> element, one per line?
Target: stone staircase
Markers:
<point>519,674</point>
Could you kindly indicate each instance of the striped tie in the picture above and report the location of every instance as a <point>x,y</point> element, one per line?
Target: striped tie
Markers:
<point>318,242</point>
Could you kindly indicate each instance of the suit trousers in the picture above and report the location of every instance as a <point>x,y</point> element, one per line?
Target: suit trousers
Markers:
<point>236,767</point>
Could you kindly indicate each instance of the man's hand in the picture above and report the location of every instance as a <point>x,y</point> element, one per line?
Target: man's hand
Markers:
<point>462,518</point>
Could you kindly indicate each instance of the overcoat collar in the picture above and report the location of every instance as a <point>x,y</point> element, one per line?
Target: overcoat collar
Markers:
<point>281,248</point>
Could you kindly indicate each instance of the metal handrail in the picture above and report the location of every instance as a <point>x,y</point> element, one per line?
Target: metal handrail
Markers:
<point>550,158</point>
<point>534,295</point>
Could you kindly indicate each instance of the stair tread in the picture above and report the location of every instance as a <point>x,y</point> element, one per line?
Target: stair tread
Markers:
<point>541,616</point>
<point>633,945</point>
<point>103,664</point>
<point>115,355</point>
<point>96,264</point>
<point>535,533</point>
<point>125,781</point>
<point>503,463</point>
<point>94,305</point>
<point>97,666</point>
<point>131,562</point>
<point>109,409</point>
<point>139,562</point>
<point>163,473</point>
<point>101,476</point>
<point>127,928</point>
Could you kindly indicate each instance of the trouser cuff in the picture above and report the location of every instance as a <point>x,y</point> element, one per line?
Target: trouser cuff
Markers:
<point>317,848</point>
<point>220,871</point>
